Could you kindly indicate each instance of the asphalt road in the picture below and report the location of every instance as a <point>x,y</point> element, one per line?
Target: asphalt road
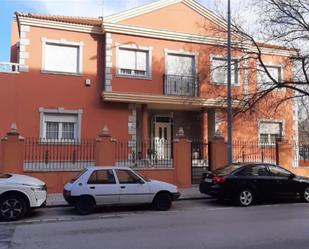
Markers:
<point>188,225</point>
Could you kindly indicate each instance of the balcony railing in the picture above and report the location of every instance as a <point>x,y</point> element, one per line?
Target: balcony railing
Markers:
<point>7,67</point>
<point>181,85</point>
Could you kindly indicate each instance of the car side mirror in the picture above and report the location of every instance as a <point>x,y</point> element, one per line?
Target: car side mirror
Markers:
<point>291,176</point>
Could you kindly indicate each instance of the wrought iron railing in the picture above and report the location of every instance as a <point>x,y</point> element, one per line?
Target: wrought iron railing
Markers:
<point>303,152</point>
<point>58,155</point>
<point>7,67</point>
<point>181,85</point>
<point>253,151</point>
<point>144,154</point>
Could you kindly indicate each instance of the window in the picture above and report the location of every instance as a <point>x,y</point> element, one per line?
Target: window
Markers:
<point>180,65</point>
<point>257,170</point>
<point>102,177</point>
<point>219,71</point>
<point>264,82</point>
<point>133,62</point>
<point>60,124</point>
<point>125,176</point>
<point>269,132</point>
<point>61,56</point>
<point>279,172</point>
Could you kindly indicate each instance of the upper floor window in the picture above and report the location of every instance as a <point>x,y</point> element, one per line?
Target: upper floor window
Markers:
<point>133,62</point>
<point>219,71</point>
<point>60,125</point>
<point>60,56</point>
<point>269,132</point>
<point>264,82</point>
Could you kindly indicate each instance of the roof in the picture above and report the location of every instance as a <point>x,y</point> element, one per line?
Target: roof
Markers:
<point>107,167</point>
<point>65,19</point>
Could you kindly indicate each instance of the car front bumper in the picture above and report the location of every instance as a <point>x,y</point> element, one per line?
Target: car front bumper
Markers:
<point>175,196</point>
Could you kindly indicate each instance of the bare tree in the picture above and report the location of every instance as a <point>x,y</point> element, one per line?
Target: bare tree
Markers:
<point>282,25</point>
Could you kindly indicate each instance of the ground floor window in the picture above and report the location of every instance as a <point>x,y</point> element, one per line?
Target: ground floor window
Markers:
<point>60,125</point>
<point>269,132</point>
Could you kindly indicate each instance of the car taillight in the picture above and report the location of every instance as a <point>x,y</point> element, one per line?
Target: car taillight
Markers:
<point>218,179</point>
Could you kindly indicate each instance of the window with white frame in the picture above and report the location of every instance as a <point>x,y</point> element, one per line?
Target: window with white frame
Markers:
<point>133,62</point>
<point>62,56</point>
<point>219,71</point>
<point>60,126</point>
<point>264,81</point>
<point>269,132</point>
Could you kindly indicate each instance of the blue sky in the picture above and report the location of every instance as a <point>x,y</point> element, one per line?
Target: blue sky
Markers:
<point>92,8</point>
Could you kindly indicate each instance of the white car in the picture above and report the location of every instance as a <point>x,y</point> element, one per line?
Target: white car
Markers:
<point>19,194</point>
<point>96,186</point>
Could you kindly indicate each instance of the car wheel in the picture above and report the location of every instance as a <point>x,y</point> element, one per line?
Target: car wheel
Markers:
<point>305,195</point>
<point>84,205</point>
<point>162,202</point>
<point>12,207</point>
<point>245,197</point>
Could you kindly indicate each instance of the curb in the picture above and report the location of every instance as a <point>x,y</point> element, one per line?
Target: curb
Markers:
<point>180,199</point>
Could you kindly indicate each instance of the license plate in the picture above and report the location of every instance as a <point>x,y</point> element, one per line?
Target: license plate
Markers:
<point>208,180</point>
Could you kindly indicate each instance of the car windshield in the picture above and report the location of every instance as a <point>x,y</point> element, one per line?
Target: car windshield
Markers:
<point>78,175</point>
<point>226,170</point>
<point>5,176</point>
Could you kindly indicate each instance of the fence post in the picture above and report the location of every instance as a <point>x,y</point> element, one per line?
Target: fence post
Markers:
<point>285,154</point>
<point>12,150</point>
<point>218,150</point>
<point>105,154</point>
<point>277,152</point>
<point>182,159</point>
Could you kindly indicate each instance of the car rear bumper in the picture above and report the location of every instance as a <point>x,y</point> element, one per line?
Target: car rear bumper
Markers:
<point>210,189</point>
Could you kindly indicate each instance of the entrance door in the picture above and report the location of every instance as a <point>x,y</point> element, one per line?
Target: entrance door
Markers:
<point>162,140</point>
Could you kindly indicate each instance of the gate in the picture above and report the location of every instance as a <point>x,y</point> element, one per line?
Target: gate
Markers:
<point>200,158</point>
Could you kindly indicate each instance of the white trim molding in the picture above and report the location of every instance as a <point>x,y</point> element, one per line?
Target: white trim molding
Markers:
<point>108,62</point>
<point>63,42</point>
<point>191,38</point>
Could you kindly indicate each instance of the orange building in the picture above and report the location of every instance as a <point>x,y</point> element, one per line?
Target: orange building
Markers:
<point>146,74</point>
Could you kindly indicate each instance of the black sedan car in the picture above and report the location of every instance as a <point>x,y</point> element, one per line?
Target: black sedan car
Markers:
<point>247,182</point>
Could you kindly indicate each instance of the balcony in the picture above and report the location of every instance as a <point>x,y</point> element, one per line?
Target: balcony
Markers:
<point>7,67</point>
<point>181,85</point>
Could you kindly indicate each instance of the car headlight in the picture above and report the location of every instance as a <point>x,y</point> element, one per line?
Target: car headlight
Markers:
<point>41,188</point>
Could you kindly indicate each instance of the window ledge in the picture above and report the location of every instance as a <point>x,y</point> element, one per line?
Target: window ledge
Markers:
<point>224,84</point>
<point>60,142</point>
<point>61,73</point>
<point>133,77</point>
<point>267,145</point>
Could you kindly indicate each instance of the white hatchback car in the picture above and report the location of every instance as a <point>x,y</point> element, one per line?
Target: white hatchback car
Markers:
<point>96,186</point>
<point>19,194</point>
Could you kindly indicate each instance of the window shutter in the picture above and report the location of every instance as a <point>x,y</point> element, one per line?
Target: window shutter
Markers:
<point>270,128</point>
<point>219,70</point>
<point>141,60</point>
<point>61,58</point>
<point>127,59</point>
<point>180,65</point>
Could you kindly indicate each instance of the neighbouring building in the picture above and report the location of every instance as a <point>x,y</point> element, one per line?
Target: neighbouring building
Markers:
<point>145,74</point>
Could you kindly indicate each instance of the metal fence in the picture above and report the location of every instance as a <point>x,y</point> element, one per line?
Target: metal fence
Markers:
<point>200,154</point>
<point>144,154</point>
<point>303,151</point>
<point>58,155</point>
<point>253,151</point>
<point>180,85</point>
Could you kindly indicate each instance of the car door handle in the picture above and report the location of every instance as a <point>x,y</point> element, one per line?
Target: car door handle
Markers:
<point>122,187</point>
<point>92,187</point>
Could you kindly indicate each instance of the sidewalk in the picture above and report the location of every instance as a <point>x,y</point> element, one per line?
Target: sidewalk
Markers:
<point>186,194</point>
